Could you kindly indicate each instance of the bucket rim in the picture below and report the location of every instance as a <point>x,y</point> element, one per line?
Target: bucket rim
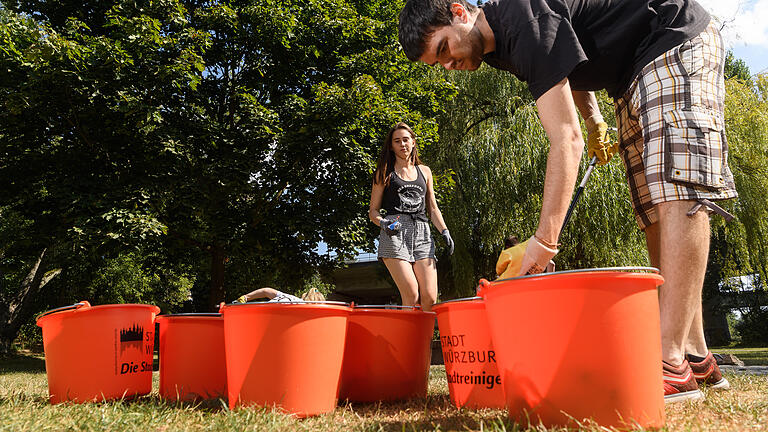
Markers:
<point>379,309</point>
<point>297,306</point>
<point>61,309</point>
<point>191,315</point>
<point>386,307</point>
<point>628,269</point>
<point>85,306</point>
<point>262,303</point>
<point>458,300</point>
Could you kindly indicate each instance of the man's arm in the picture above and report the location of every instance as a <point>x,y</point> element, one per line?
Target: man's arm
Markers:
<point>586,102</point>
<point>558,116</point>
<point>598,143</point>
<point>557,113</point>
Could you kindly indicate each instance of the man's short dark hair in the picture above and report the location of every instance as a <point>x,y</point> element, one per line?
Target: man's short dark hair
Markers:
<point>420,18</point>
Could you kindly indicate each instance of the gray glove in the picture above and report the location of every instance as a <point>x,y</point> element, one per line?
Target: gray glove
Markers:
<point>448,241</point>
<point>390,225</point>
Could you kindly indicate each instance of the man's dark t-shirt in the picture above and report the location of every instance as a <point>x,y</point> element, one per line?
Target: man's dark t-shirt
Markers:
<point>596,44</point>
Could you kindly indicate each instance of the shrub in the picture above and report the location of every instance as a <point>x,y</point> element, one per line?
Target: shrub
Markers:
<point>753,326</point>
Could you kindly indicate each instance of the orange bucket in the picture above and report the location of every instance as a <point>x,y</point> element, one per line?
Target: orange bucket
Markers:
<point>579,345</point>
<point>192,365</point>
<point>286,355</point>
<point>97,353</point>
<point>387,353</point>
<point>470,360</point>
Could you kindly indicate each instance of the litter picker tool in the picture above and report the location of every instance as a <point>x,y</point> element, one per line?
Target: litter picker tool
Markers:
<point>576,196</point>
<point>579,190</point>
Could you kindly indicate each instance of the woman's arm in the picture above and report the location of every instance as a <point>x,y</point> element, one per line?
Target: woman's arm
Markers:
<point>377,193</point>
<point>434,212</point>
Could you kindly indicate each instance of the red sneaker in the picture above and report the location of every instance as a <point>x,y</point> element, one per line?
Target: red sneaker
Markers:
<point>707,372</point>
<point>679,383</point>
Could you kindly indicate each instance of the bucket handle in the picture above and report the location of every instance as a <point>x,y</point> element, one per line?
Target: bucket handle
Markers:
<point>78,305</point>
<point>481,285</point>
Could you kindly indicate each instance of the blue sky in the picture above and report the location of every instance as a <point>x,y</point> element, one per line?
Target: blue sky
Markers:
<point>744,29</point>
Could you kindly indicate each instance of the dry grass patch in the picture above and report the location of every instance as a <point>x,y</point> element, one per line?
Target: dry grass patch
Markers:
<point>24,407</point>
<point>743,408</point>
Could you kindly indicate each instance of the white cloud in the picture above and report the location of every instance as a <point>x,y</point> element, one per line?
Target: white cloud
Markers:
<point>746,21</point>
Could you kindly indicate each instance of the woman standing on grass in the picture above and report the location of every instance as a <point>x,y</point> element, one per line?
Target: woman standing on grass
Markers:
<point>403,188</point>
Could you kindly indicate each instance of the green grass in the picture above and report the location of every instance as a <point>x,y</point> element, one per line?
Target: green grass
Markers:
<point>750,356</point>
<point>24,407</point>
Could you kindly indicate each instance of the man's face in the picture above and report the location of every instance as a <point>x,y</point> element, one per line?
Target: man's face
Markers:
<point>455,46</point>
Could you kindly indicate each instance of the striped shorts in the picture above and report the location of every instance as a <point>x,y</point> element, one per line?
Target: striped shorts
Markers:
<point>412,243</point>
<point>671,128</point>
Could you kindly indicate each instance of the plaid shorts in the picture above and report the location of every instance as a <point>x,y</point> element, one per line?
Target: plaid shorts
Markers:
<point>412,243</point>
<point>671,128</point>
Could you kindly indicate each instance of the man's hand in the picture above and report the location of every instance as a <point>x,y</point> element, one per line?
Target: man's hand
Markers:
<point>536,257</point>
<point>242,299</point>
<point>391,226</point>
<point>448,240</point>
<point>508,265</point>
<point>598,141</point>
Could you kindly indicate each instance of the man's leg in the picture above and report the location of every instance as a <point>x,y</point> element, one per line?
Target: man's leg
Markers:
<point>703,364</point>
<point>405,279</point>
<point>683,251</point>
<point>652,243</point>
<point>696,343</point>
<point>672,102</point>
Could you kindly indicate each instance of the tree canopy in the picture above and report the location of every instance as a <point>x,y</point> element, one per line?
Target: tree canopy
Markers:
<point>237,133</point>
<point>153,150</point>
<point>495,149</point>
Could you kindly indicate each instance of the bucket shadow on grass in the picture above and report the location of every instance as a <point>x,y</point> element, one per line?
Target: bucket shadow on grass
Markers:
<point>207,405</point>
<point>14,363</point>
<point>426,414</point>
<point>154,401</point>
<point>21,396</point>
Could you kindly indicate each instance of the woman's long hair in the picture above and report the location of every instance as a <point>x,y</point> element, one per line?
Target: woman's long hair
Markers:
<point>386,164</point>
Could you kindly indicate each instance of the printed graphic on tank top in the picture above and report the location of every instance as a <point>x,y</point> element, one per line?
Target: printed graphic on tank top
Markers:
<point>406,196</point>
<point>411,198</point>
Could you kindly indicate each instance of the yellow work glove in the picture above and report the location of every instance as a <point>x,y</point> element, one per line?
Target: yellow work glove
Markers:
<point>598,141</point>
<point>536,258</point>
<point>242,299</point>
<point>508,264</point>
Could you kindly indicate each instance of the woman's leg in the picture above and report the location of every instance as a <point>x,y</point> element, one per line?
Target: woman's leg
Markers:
<point>405,279</point>
<point>426,275</point>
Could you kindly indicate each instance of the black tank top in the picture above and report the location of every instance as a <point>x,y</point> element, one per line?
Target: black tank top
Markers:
<point>406,197</point>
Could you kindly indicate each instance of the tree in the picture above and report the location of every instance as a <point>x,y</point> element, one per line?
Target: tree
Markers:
<point>738,247</point>
<point>290,112</point>
<point>25,270</point>
<point>746,127</point>
<point>225,139</point>
<point>495,148</point>
<point>736,68</point>
<point>78,106</point>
